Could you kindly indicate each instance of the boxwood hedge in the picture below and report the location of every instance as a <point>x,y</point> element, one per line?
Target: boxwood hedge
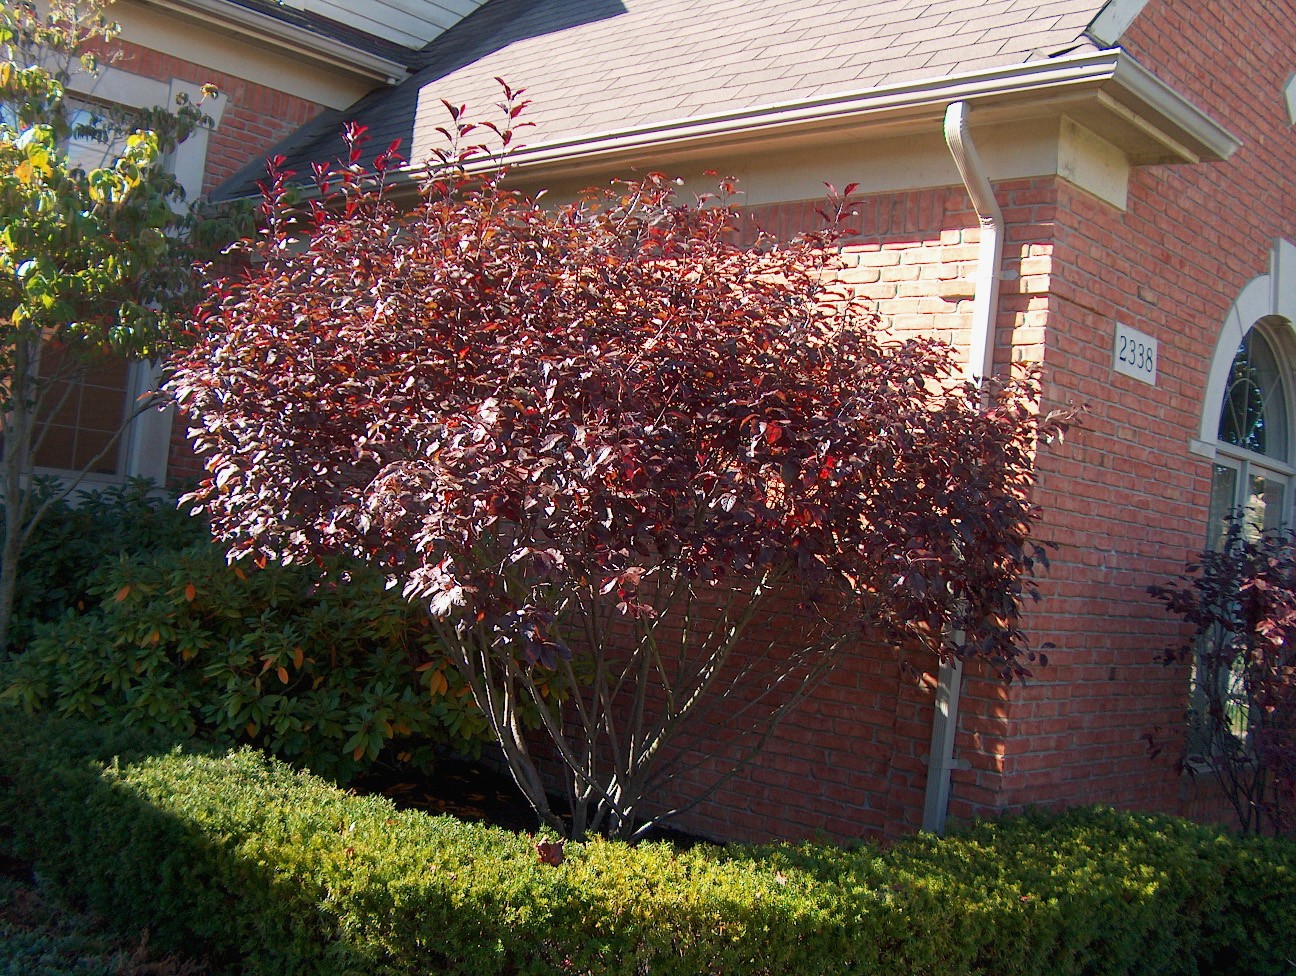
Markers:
<point>261,869</point>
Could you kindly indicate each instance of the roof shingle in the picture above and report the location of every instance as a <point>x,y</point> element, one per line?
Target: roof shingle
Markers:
<point>592,66</point>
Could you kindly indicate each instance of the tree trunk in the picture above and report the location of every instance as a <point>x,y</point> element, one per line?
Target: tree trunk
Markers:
<point>16,425</point>
<point>8,588</point>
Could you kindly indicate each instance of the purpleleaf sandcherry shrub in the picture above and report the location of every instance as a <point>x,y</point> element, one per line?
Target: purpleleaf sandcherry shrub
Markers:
<point>648,480</point>
<point>1240,603</point>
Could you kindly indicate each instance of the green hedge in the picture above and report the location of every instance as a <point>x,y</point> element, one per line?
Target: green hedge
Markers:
<point>266,870</point>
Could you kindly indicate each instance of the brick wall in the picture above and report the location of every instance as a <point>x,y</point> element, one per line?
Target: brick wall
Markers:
<point>847,762</point>
<point>1127,501</point>
<point>255,118</point>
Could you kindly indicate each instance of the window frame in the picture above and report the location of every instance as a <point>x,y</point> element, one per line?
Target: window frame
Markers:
<point>1267,304</point>
<point>145,444</point>
<point>1249,464</point>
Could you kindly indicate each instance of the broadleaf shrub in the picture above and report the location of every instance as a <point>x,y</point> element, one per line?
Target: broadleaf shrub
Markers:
<point>81,534</point>
<point>329,672</point>
<point>270,871</point>
<point>127,610</point>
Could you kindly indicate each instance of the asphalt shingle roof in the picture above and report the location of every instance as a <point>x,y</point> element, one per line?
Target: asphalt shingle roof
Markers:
<point>593,66</point>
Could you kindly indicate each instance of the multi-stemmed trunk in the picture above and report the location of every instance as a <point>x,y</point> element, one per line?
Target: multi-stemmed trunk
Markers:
<point>16,427</point>
<point>613,714</point>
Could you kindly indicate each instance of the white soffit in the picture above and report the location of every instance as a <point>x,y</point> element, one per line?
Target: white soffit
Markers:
<point>1114,20</point>
<point>1093,164</point>
<point>410,23</point>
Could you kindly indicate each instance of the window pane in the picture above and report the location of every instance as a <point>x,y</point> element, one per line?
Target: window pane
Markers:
<point>1264,504</point>
<point>1254,414</point>
<point>84,413</point>
<point>1223,500</point>
<point>98,134</point>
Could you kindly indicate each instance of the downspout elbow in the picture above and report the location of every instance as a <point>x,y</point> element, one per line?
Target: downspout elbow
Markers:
<point>989,271</point>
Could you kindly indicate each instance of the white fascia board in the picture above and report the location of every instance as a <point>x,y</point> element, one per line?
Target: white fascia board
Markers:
<point>1108,85</point>
<point>278,34</point>
<point>1179,119</point>
<point>1111,23</point>
<point>1102,79</point>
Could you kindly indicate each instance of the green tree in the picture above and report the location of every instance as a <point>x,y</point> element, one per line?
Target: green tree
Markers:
<point>92,261</point>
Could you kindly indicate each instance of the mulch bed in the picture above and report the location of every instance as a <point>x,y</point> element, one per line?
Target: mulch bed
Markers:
<point>459,787</point>
<point>477,792</point>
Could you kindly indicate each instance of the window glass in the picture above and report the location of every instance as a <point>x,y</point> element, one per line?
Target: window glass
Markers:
<point>98,133</point>
<point>1262,509</point>
<point>85,410</point>
<point>1254,415</point>
<point>1223,500</point>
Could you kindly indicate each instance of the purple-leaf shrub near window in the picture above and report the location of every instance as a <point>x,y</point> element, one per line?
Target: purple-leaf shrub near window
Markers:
<point>1240,602</point>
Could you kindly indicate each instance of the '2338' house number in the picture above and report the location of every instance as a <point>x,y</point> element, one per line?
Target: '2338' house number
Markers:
<point>1135,354</point>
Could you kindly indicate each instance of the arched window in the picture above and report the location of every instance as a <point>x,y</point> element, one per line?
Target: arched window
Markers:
<point>1248,429</point>
<point>1253,451</point>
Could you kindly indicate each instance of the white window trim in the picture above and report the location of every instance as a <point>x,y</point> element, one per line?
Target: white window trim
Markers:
<point>146,443</point>
<point>1263,296</point>
<point>1267,303</point>
<point>1240,455</point>
<point>121,87</point>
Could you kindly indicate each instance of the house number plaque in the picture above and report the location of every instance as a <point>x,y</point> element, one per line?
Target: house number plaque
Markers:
<point>1135,354</point>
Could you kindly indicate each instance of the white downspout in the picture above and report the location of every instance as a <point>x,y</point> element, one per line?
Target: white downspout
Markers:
<point>980,362</point>
<point>990,253</point>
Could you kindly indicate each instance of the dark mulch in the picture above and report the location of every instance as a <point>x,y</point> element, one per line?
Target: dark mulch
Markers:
<point>474,791</point>
<point>460,787</point>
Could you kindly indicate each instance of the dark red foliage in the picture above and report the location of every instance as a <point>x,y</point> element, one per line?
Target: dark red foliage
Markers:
<point>497,400</point>
<point>1240,601</point>
<point>550,852</point>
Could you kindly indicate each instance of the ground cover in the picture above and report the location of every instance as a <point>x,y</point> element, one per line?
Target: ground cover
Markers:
<point>42,936</point>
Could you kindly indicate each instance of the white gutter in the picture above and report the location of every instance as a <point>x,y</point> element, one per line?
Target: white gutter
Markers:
<point>1109,83</point>
<point>1110,78</point>
<point>267,30</point>
<point>980,362</point>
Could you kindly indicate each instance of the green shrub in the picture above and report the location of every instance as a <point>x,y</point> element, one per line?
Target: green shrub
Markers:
<point>39,937</point>
<point>77,538</point>
<point>274,872</point>
<point>328,674</point>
